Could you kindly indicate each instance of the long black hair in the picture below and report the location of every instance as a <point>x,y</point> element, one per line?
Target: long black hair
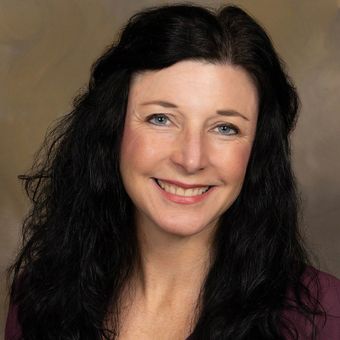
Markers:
<point>79,241</point>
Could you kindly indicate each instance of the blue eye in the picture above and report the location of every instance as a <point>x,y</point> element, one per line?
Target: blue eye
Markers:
<point>228,130</point>
<point>158,119</point>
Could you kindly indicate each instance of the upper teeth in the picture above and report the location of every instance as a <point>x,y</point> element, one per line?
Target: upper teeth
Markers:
<point>174,189</point>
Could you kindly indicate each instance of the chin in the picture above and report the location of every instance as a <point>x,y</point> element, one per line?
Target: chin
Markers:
<point>183,229</point>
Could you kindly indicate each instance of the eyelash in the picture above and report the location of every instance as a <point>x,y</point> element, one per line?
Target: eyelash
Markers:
<point>157,115</point>
<point>229,126</point>
<point>236,130</point>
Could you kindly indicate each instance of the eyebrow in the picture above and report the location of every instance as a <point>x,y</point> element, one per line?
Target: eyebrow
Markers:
<point>229,113</point>
<point>232,113</point>
<point>161,103</point>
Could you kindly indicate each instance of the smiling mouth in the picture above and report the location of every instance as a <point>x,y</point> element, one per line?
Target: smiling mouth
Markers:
<point>179,191</point>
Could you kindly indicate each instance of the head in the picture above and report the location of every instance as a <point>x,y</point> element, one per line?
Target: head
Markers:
<point>189,34</point>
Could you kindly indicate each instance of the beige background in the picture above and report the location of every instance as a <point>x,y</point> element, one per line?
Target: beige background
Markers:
<point>47,47</point>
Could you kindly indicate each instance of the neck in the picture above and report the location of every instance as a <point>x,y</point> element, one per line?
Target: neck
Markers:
<point>171,267</point>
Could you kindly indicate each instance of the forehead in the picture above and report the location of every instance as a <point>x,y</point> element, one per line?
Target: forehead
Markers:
<point>197,85</point>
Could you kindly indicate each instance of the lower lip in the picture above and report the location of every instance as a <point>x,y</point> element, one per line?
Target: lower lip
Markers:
<point>183,199</point>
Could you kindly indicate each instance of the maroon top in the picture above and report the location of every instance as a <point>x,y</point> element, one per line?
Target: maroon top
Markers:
<point>329,296</point>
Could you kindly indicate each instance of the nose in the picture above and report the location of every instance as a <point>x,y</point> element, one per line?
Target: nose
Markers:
<point>190,152</point>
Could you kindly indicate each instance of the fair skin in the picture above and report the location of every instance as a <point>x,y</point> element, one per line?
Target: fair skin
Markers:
<point>189,128</point>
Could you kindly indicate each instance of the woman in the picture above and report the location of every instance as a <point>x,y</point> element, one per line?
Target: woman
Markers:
<point>165,207</point>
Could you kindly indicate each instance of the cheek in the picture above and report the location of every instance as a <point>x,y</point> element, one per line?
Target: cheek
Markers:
<point>137,149</point>
<point>233,162</point>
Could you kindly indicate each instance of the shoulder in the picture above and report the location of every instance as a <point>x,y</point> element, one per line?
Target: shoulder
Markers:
<point>13,329</point>
<point>325,288</point>
<point>328,294</point>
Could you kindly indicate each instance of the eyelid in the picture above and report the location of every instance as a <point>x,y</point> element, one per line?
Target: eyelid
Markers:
<point>230,126</point>
<point>155,115</point>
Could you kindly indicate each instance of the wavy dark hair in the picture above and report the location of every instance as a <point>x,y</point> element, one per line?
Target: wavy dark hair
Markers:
<point>79,242</point>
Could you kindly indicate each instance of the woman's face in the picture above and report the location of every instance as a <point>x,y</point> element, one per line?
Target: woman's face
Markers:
<point>187,139</point>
